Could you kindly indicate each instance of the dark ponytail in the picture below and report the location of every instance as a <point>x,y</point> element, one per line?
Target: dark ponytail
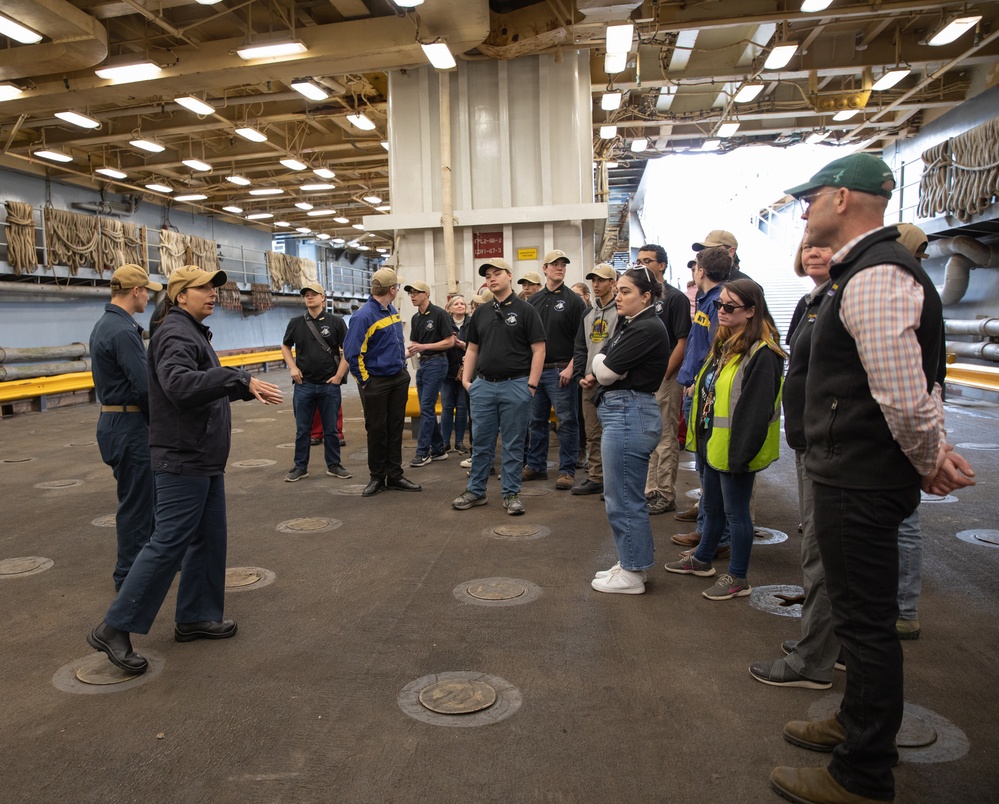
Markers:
<point>645,281</point>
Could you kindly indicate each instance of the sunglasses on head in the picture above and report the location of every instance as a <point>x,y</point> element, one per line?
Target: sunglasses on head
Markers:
<point>728,307</point>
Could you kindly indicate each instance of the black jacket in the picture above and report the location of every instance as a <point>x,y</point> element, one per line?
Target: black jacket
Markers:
<point>189,393</point>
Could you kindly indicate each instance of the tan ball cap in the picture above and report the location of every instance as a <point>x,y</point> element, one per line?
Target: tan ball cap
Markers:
<point>191,276</point>
<point>556,254</point>
<point>530,278</point>
<point>717,237</point>
<point>315,287</point>
<point>602,271</point>
<point>132,276</point>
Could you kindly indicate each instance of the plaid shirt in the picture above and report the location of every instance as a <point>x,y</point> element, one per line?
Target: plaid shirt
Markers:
<point>880,310</point>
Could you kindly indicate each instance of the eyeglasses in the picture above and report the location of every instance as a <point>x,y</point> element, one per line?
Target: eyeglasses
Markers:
<point>727,306</point>
<point>805,201</point>
<point>647,260</point>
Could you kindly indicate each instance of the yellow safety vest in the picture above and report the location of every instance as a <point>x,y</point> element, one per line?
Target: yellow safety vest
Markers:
<point>728,388</point>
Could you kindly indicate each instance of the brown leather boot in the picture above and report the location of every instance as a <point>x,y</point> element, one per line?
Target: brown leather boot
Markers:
<point>815,735</point>
<point>690,515</point>
<point>691,539</point>
<point>813,786</point>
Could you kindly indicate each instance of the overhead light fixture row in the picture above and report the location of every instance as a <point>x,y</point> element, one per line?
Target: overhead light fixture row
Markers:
<point>9,91</point>
<point>845,115</point>
<point>18,32</point>
<point>267,191</point>
<point>439,55</point>
<point>310,89</point>
<point>728,129</point>
<point>159,188</point>
<point>195,105</point>
<point>711,145</point>
<point>233,210</point>
<point>147,145</point>
<point>615,63</point>
<point>816,137</point>
<point>111,173</point>
<point>619,38</point>
<point>190,197</point>
<point>259,216</point>
<point>611,101</point>
<point>312,188</point>
<point>241,181</point>
<point>251,134</point>
<point>303,205</point>
<point>748,92</point>
<point>78,119</point>
<point>953,29</point>
<point>890,78</point>
<point>53,155</point>
<point>129,72</point>
<point>284,46</point>
<point>282,224</point>
<point>293,164</point>
<point>361,121</point>
<point>384,208</point>
<point>811,6</point>
<point>374,200</point>
<point>197,164</point>
<point>780,55</point>
<point>608,132</point>
<point>342,219</point>
<point>324,173</point>
<point>320,213</point>
<point>639,144</point>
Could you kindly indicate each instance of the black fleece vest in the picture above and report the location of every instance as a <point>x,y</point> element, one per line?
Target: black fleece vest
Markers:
<point>848,443</point>
<point>797,373</point>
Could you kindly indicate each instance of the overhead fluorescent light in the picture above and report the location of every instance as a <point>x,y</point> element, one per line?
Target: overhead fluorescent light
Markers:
<point>282,224</point>
<point>324,173</point>
<point>10,91</point>
<point>338,240</point>
<point>190,197</point>
<point>408,3</point>
<point>54,155</point>
<point>954,29</point>
<point>208,2</point>
<point>610,101</point>
<point>303,229</point>
<point>639,144</point>
<point>111,173</point>
<point>359,226</point>
<point>303,205</point>
<point>310,89</point>
<point>608,132</point>
<point>711,145</point>
<point>439,55</point>
<point>382,250</point>
<point>77,119</point>
<point>159,188</point>
<point>293,164</point>
<point>242,181</point>
<point>311,188</point>
<point>233,210</point>
<point>364,248</point>
<point>780,55</point>
<point>361,121</point>
<point>259,216</point>
<point>846,114</point>
<point>385,144</point>
<point>747,93</point>
<point>130,73</point>
<point>665,99</point>
<point>321,213</point>
<point>384,208</point>
<point>251,134</point>
<point>196,164</point>
<point>811,6</point>
<point>271,50</point>
<point>615,63</point>
<point>323,236</point>
<point>17,32</point>
<point>195,105</point>
<point>342,219</point>
<point>147,145</point>
<point>816,137</point>
<point>890,78</point>
<point>728,129</point>
<point>619,38</point>
<point>374,200</point>
<point>267,191</point>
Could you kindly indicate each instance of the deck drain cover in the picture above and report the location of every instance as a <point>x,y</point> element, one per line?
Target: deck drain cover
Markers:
<point>26,565</point>
<point>241,576</point>
<point>265,419</point>
<point>517,531</point>
<point>315,524</point>
<point>534,491</point>
<point>58,484</point>
<point>768,536</point>
<point>493,592</point>
<point>972,445</point>
<point>936,498</point>
<point>986,536</point>
<point>915,732</point>
<point>16,460</point>
<point>497,589</point>
<point>457,697</point>
<point>106,521</point>
<point>777,599</point>
<point>253,462</point>
<point>97,669</point>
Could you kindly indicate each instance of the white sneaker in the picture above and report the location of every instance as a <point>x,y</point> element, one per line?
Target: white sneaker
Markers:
<point>621,582</point>
<point>466,464</point>
<point>616,568</point>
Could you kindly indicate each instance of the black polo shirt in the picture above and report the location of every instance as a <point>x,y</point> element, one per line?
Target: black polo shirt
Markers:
<point>561,312</point>
<point>312,360</point>
<point>430,327</point>
<point>639,347</point>
<point>504,332</point>
<point>673,309</point>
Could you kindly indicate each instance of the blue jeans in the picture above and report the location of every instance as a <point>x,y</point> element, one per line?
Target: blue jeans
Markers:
<point>910,567</point>
<point>190,527</point>
<point>548,395</point>
<point>631,427</point>
<point>307,398</point>
<point>857,534</point>
<point>688,403</point>
<point>498,407</point>
<point>123,439</point>
<point>429,377</point>
<point>454,411</point>
<point>725,503</point>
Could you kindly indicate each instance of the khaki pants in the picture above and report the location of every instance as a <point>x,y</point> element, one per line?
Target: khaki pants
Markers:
<point>665,459</point>
<point>594,432</point>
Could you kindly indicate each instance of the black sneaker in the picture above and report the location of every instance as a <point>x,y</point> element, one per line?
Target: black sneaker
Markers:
<point>296,474</point>
<point>438,456</point>
<point>338,471</point>
<point>420,460</point>
<point>779,674</point>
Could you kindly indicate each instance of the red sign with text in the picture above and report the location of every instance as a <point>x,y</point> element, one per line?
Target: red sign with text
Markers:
<point>486,245</point>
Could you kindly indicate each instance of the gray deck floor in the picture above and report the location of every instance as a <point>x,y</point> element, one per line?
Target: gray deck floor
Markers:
<point>623,698</point>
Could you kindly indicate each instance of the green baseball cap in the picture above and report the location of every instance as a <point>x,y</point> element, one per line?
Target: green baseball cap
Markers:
<point>863,172</point>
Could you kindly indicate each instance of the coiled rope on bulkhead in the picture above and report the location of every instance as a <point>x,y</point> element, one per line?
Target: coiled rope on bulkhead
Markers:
<point>71,239</point>
<point>20,226</point>
<point>961,174</point>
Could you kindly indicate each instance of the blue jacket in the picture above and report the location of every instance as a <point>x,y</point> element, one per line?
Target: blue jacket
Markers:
<point>375,344</point>
<point>699,340</point>
<point>119,360</point>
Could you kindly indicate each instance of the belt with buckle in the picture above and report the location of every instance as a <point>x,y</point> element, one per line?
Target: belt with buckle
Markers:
<point>120,409</point>
<point>558,366</point>
<point>501,379</point>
